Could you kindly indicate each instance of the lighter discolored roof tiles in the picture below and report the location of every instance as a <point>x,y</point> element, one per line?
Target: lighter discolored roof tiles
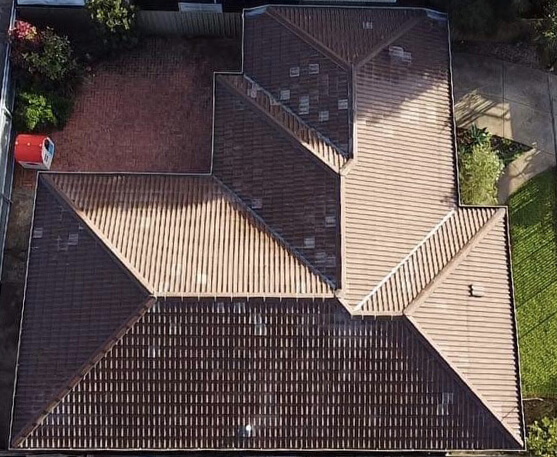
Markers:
<point>323,289</point>
<point>188,236</point>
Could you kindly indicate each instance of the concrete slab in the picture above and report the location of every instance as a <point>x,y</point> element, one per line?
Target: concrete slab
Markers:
<point>525,167</point>
<point>490,112</point>
<point>529,126</point>
<point>527,86</point>
<point>480,74</point>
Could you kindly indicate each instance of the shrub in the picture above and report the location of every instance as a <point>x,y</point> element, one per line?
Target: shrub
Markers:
<point>115,23</point>
<point>36,111</point>
<point>542,438</point>
<point>41,54</point>
<point>547,34</point>
<point>480,169</point>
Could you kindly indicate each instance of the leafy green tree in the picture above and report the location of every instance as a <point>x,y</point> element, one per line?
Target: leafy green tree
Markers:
<point>115,22</point>
<point>542,438</point>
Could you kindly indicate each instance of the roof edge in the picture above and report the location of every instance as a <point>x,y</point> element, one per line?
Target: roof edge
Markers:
<point>517,439</point>
<point>454,262</point>
<point>59,193</point>
<point>95,358</point>
<point>272,12</point>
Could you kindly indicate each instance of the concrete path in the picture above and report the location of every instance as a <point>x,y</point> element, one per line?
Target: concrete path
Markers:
<point>513,102</point>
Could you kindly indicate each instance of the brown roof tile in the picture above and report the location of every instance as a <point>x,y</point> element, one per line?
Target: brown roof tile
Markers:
<point>334,167</point>
<point>72,307</point>
<point>349,33</point>
<point>193,374</point>
<point>304,79</point>
<point>402,181</point>
<point>406,283</point>
<point>296,194</point>
<point>286,119</point>
<point>476,333</point>
<point>188,235</point>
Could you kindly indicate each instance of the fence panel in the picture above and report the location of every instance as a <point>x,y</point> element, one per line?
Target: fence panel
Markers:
<point>191,23</point>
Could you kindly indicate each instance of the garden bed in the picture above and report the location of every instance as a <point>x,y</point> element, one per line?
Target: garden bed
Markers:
<point>507,150</point>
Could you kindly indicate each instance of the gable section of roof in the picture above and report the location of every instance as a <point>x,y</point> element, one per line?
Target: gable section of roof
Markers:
<point>351,34</point>
<point>420,269</point>
<point>402,181</point>
<point>286,120</point>
<point>296,194</point>
<point>210,368</point>
<point>469,317</point>
<point>188,235</point>
<point>303,78</point>
<point>77,297</point>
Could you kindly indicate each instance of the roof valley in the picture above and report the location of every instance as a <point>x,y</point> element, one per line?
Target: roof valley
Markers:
<point>284,119</point>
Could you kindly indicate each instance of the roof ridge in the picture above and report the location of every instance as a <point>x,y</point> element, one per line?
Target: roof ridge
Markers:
<point>410,295</point>
<point>286,120</point>
<point>259,220</point>
<point>280,18</point>
<point>95,358</point>
<point>403,30</point>
<point>97,233</point>
<point>463,378</point>
<point>456,260</point>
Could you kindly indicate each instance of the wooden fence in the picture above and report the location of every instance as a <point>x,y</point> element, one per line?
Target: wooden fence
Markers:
<point>191,23</point>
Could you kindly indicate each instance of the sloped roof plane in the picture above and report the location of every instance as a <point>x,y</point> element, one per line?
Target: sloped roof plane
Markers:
<point>322,290</point>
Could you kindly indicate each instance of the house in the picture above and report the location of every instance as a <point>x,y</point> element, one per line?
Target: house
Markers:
<point>321,289</point>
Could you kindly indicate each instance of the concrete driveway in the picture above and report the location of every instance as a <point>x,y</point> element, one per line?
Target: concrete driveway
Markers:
<point>513,102</point>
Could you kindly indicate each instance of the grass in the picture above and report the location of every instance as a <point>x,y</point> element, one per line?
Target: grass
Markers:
<point>533,221</point>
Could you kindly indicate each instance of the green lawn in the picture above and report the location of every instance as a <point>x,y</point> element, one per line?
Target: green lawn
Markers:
<point>533,218</point>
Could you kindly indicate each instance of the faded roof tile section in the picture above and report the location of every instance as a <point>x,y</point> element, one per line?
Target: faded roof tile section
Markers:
<point>249,374</point>
<point>403,180</point>
<point>469,316</point>
<point>188,235</point>
<point>419,269</point>
<point>72,307</point>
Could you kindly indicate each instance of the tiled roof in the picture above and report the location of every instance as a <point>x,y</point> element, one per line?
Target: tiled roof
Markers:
<point>188,236</point>
<point>476,334</point>
<point>285,119</point>
<point>403,181</point>
<point>323,289</point>
<point>72,307</point>
<point>195,374</point>
<point>408,281</point>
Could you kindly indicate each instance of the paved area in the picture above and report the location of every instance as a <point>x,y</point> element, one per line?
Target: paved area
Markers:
<point>514,102</point>
<point>150,110</point>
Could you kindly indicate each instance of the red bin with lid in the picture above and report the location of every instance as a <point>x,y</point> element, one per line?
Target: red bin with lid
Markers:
<point>34,151</point>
